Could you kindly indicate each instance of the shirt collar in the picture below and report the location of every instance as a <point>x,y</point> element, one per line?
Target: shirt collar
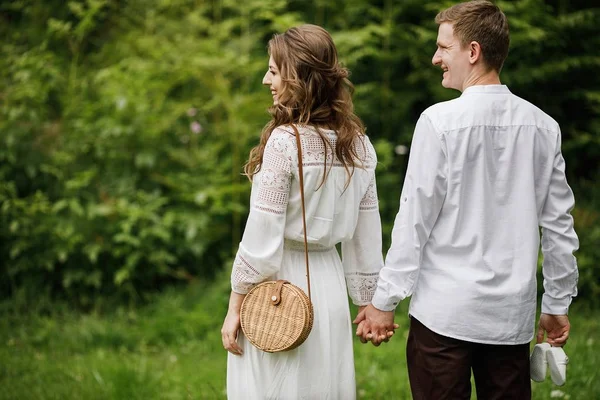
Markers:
<point>486,89</point>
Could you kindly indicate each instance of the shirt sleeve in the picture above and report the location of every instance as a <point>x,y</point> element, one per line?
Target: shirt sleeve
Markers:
<point>362,256</point>
<point>423,193</point>
<point>260,252</point>
<point>559,242</point>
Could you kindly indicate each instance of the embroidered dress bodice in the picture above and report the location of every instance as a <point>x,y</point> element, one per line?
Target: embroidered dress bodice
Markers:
<point>338,210</point>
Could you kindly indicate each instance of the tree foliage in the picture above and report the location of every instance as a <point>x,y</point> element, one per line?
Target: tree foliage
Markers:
<point>124,125</point>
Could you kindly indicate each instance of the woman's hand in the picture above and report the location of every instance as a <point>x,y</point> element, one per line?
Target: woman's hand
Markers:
<point>231,325</point>
<point>374,325</point>
<point>229,333</point>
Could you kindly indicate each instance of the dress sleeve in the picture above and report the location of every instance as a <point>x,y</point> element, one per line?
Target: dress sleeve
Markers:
<point>261,249</point>
<point>362,256</point>
<point>559,241</point>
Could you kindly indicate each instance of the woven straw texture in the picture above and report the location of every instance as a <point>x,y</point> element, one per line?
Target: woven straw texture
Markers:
<point>273,328</point>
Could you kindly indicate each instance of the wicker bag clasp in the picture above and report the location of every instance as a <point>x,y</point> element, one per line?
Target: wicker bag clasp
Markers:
<point>276,297</point>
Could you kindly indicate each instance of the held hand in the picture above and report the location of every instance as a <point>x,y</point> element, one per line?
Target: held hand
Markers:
<point>229,333</point>
<point>361,328</point>
<point>375,325</point>
<point>556,328</point>
<point>360,323</point>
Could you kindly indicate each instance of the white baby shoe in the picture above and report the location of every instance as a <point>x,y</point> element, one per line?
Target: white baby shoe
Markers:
<point>544,356</point>
<point>557,362</point>
<point>538,362</point>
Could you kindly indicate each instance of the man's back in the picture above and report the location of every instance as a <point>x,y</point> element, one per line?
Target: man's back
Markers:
<point>477,280</point>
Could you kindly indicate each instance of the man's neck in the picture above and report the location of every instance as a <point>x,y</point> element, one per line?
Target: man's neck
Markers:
<point>490,77</point>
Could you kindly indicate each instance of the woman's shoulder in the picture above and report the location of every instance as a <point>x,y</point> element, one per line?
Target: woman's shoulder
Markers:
<point>281,140</point>
<point>282,134</point>
<point>304,129</point>
<point>365,150</point>
<point>288,132</point>
<point>283,130</point>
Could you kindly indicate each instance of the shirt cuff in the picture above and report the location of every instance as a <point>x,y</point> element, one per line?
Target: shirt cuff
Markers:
<point>382,302</point>
<point>554,306</point>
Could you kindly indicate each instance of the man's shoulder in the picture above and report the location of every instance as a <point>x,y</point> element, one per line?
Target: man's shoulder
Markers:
<point>530,114</point>
<point>442,107</point>
<point>467,109</point>
<point>441,113</point>
<point>532,109</point>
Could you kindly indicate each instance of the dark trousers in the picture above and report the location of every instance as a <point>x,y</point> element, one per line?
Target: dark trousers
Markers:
<point>440,367</point>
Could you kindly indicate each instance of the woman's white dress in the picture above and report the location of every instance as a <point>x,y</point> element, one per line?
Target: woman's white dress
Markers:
<point>272,247</point>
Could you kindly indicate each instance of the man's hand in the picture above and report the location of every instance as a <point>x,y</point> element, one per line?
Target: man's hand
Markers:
<point>375,325</point>
<point>556,328</point>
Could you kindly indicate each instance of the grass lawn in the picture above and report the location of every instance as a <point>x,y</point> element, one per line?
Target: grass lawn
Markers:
<point>171,349</point>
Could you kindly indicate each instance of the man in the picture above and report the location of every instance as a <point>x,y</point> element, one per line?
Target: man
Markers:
<point>485,173</point>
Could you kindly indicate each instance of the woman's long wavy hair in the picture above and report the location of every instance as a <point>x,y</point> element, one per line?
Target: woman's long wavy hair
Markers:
<point>315,90</point>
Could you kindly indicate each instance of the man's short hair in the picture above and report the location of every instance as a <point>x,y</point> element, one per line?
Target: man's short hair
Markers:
<point>483,22</point>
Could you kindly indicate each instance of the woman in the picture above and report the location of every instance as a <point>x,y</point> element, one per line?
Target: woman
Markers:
<point>311,91</point>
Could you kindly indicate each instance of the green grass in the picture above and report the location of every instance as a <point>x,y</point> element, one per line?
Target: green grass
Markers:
<point>171,349</point>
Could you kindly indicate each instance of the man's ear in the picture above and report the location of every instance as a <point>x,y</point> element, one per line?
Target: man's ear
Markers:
<point>474,52</point>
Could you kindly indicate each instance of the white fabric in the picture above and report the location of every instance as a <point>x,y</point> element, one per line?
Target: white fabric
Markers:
<point>272,248</point>
<point>485,173</point>
<point>538,363</point>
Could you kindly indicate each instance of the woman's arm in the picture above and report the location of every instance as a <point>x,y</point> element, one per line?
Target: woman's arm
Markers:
<point>231,325</point>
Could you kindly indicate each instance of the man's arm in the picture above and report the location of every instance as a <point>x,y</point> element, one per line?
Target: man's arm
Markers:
<point>559,242</point>
<point>422,198</point>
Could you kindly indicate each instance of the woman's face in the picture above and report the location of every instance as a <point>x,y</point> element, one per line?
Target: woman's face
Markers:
<point>273,80</point>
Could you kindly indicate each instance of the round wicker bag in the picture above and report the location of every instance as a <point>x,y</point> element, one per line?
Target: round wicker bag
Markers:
<point>276,316</point>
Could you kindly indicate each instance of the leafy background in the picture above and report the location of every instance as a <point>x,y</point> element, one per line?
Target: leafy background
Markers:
<point>124,126</point>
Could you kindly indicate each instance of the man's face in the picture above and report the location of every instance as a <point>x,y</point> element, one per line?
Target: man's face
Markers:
<point>453,60</point>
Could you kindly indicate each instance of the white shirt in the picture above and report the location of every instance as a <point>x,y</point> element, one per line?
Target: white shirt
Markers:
<point>485,173</point>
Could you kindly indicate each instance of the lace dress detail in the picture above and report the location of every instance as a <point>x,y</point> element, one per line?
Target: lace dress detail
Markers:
<point>274,176</point>
<point>361,286</point>
<point>368,159</point>
<point>370,202</point>
<point>244,277</point>
<point>316,153</point>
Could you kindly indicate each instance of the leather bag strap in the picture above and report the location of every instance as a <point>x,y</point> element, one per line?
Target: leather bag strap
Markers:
<point>301,178</point>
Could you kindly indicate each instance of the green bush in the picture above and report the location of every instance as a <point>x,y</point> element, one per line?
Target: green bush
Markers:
<point>120,165</point>
<point>124,125</point>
